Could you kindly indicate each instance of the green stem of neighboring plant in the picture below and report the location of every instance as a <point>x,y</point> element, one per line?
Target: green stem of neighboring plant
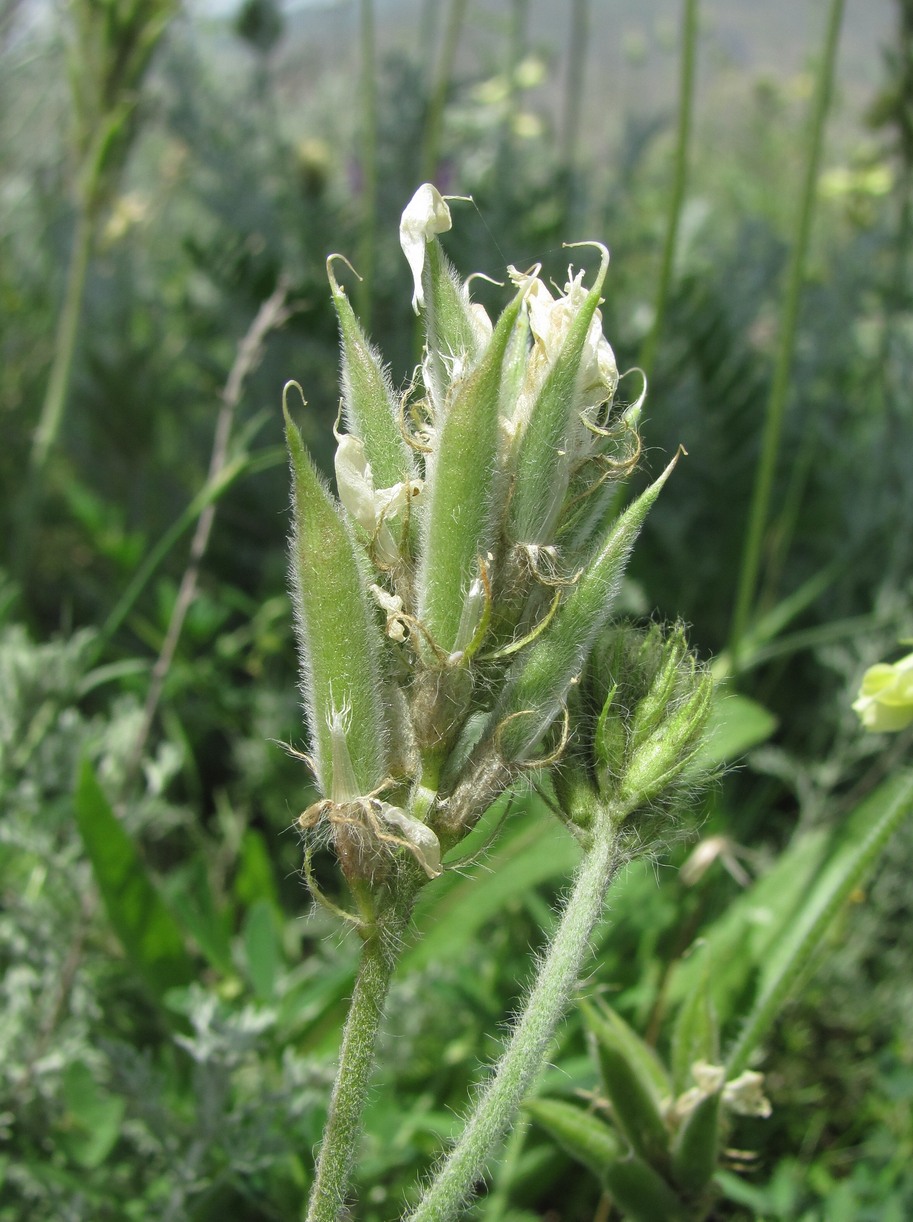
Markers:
<point>776,406</point>
<point>516,1071</point>
<point>679,182</point>
<point>367,239</point>
<point>431,143</point>
<point>55,399</point>
<point>573,97</point>
<point>356,1062</point>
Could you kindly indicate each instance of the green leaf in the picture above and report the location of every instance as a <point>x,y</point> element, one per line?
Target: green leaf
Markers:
<point>583,1135</point>
<point>694,1151</point>
<point>530,850</point>
<point>642,1194</point>
<point>859,843</point>
<point>262,952</point>
<point>339,638</point>
<point>91,1124</point>
<point>255,878</point>
<point>635,1081</point>
<point>191,899</point>
<point>147,930</point>
<point>695,1036</point>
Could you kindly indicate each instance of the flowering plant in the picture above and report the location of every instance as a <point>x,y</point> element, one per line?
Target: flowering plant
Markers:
<point>452,610</point>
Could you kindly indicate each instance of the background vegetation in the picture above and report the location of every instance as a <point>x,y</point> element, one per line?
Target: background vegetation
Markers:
<point>170,1001</point>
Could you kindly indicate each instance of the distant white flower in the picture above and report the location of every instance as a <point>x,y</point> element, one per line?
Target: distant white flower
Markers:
<point>744,1095</point>
<point>425,215</point>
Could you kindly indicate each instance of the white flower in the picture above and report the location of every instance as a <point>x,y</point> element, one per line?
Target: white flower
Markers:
<point>744,1095</point>
<point>550,320</point>
<point>371,507</point>
<point>425,215</point>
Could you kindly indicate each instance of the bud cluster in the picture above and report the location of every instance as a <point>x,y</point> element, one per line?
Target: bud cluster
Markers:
<point>448,601</point>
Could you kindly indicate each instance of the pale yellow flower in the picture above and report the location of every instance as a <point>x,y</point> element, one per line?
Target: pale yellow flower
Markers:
<point>885,701</point>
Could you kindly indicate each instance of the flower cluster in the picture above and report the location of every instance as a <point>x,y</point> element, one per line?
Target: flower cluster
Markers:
<point>448,601</point>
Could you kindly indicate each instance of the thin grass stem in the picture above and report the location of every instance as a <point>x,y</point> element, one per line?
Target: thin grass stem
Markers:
<point>679,183</point>
<point>434,123</point>
<point>776,406</point>
<point>367,241</point>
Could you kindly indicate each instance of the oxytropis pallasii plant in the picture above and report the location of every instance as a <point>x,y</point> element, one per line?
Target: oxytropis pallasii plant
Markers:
<point>453,610</point>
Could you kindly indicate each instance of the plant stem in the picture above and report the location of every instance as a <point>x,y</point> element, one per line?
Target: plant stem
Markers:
<point>367,236</point>
<point>431,143</point>
<point>679,180</point>
<point>356,1061</point>
<point>58,387</point>
<point>776,405</point>
<point>515,1072</point>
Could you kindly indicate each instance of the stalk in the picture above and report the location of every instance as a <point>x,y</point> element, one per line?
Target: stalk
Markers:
<point>356,1061</point>
<point>431,144</point>
<point>515,1073</point>
<point>776,406</point>
<point>367,239</point>
<point>58,388</point>
<point>679,181</point>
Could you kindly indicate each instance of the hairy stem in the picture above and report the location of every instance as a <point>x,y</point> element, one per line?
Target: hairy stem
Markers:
<point>516,1071</point>
<point>356,1062</point>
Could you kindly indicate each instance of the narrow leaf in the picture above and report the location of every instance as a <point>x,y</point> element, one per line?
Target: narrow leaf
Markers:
<point>635,1079</point>
<point>148,932</point>
<point>862,840</point>
<point>584,1136</point>
<point>694,1152</point>
<point>641,1194</point>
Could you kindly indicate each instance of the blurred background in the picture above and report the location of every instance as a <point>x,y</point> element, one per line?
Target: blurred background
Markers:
<point>172,179</point>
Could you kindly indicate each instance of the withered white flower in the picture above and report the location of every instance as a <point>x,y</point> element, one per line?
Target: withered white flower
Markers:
<point>425,215</point>
<point>422,842</point>
<point>372,508</point>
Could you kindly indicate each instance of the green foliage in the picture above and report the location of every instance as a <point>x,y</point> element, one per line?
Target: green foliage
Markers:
<point>211,168</point>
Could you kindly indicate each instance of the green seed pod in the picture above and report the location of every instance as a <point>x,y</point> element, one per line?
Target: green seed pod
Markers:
<point>460,513</point>
<point>338,638</point>
<point>369,404</point>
